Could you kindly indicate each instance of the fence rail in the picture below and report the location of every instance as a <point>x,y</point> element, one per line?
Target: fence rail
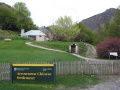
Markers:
<point>73,68</point>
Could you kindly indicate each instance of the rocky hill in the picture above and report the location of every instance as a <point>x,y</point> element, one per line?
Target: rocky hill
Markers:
<point>97,21</point>
<point>5,5</point>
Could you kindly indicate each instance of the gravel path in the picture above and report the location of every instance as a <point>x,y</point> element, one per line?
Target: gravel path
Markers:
<point>111,82</point>
<point>30,44</point>
<point>112,85</point>
<point>91,52</point>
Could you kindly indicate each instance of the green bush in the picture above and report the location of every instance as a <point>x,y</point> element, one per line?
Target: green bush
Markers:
<point>1,37</point>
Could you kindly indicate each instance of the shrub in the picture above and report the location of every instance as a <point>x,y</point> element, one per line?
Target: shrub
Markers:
<point>1,37</point>
<point>109,45</point>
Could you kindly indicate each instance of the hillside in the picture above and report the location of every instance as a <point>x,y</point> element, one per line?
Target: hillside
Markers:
<point>8,34</point>
<point>97,21</point>
<point>5,5</point>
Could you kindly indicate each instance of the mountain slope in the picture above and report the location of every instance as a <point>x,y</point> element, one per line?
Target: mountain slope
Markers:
<point>5,5</point>
<point>97,21</point>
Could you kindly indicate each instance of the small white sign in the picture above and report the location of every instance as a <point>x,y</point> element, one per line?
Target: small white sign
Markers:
<point>114,53</point>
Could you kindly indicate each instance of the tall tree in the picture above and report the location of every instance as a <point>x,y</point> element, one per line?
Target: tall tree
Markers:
<point>112,29</point>
<point>86,35</point>
<point>8,20</point>
<point>21,7</point>
<point>64,29</point>
<point>23,16</point>
<point>64,22</point>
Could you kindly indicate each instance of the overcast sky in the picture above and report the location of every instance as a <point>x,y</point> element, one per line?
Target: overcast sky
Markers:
<point>46,12</point>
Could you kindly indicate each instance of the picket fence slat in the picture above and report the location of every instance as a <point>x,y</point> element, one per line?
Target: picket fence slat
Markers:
<point>72,68</point>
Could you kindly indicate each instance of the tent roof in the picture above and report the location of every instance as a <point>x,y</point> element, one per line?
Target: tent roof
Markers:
<point>34,33</point>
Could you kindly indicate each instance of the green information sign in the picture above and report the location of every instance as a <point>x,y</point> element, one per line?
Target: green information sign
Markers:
<point>33,72</point>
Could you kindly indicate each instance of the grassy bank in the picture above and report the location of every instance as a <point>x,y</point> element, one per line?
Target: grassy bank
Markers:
<point>63,46</point>
<point>17,51</point>
<point>8,34</point>
<point>63,83</point>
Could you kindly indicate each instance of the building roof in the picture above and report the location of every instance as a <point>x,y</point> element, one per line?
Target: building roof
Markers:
<point>34,33</point>
<point>45,30</point>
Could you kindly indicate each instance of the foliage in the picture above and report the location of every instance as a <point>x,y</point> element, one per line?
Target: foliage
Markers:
<point>100,34</point>
<point>8,20</point>
<point>64,29</point>
<point>16,18</point>
<point>21,7</point>
<point>112,29</point>
<point>64,22</point>
<point>86,35</point>
<point>23,16</point>
<point>57,32</point>
<point>8,34</point>
<point>109,45</point>
<point>72,33</point>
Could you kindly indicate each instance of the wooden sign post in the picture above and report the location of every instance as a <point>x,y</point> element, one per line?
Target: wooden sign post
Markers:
<point>113,54</point>
<point>33,72</point>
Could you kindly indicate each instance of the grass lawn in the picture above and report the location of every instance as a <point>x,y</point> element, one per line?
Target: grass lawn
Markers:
<point>63,82</point>
<point>63,46</point>
<point>17,51</point>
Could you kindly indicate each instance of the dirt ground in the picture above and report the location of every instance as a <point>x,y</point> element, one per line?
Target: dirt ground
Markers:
<point>108,82</point>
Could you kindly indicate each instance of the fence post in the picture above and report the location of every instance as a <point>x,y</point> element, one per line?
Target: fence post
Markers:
<point>112,67</point>
<point>11,76</point>
<point>81,66</point>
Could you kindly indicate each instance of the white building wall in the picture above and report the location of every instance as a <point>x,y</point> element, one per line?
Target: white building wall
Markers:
<point>76,50</point>
<point>40,38</point>
<point>22,32</point>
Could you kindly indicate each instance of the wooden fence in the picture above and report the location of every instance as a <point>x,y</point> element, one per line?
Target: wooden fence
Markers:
<point>73,68</point>
<point>4,71</point>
